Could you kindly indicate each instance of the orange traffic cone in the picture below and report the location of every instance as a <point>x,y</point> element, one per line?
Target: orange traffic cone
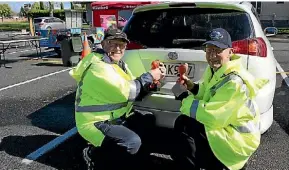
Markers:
<point>86,48</point>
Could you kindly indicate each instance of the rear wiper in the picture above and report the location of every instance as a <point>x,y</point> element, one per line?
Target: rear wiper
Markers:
<point>179,41</point>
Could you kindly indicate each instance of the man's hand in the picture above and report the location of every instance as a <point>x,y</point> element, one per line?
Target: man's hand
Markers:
<point>188,83</point>
<point>158,73</point>
<point>178,89</point>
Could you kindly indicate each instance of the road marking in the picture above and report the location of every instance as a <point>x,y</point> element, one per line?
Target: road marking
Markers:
<point>49,146</point>
<point>21,51</point>
<point>37,78</point>
<point>282,72</point>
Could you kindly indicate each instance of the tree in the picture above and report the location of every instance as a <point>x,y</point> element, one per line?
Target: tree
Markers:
<point>51,6</point>
<point>71,5</point>
<point>35,6</point>
<point>61,6</point>
<point>22,12</point>
<point>5,11</point>
<point>42,7</point>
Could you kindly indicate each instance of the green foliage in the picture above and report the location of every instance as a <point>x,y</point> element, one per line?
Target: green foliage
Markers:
<point>42,6</point>
<point>45,13</point>
<point>22,12</point>
<point>51,5</point>
<point>71,5</point>
<point>283,30</point>
<point>61,6</point>
<point>35,6</point>
<point>5,10</point>
<point>14,26</point>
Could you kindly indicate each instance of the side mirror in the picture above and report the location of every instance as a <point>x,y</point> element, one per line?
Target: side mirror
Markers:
<point>270,31</point>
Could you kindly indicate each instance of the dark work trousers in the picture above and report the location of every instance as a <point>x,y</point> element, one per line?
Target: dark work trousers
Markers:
<point>194,151</point>
<point>129,145</point>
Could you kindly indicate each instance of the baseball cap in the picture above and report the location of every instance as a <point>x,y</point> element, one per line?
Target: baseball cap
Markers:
<point>112,34</point>
<point>219,37</point>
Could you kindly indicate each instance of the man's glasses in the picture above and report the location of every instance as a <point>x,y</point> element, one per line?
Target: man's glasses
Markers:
<point>114,44</point>
<point>213,50</point>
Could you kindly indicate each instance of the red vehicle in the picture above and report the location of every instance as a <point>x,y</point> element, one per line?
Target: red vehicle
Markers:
<point>104,16</point>
<point>103,11</point>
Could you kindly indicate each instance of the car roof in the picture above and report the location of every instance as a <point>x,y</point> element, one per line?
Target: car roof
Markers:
<point>234,5</point>
<point>44,17</point>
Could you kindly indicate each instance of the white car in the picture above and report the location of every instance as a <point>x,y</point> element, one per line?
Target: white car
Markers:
<point>174,34</point>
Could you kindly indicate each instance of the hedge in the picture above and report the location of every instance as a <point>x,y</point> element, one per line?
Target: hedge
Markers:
<point>283,30</point>
<point>14,26</point>
<point>45,13</point>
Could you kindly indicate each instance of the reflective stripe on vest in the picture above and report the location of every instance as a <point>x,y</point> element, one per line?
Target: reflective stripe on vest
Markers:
<point>194,108</point>
<point>100,108</point>
<point>250,126</point>
<point>132,91</point>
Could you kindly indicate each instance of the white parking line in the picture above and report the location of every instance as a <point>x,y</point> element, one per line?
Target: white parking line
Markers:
<point>284,76</point>
<point>37,78</point>
<point>49,146</point>
<point>21,51</point>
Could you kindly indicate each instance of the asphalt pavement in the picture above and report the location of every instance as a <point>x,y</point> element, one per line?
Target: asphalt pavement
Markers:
<point>37,105</point>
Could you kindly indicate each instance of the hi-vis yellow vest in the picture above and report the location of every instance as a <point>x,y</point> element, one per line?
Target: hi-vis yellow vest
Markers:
<point>104,92</point>
<point>225,105</point>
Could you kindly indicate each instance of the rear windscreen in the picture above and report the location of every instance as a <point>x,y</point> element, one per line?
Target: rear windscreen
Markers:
<point>37,20</point>
<point>185,28</point>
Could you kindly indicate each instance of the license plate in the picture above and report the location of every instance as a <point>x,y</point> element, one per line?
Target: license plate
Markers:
<point>172,70</point>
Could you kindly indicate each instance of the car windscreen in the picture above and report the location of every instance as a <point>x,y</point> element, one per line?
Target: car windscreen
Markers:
<point>37,20</point>
<point>186,27</point>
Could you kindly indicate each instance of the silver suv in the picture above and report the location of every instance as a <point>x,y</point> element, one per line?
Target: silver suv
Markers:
<point>48,23</point>
<point>174,33</point>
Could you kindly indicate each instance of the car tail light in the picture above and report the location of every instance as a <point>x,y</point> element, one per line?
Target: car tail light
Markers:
<point>254,47</point>
<point>134,46</point>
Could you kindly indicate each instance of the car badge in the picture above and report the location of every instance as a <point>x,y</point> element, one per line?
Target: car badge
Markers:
<point>173,55</point>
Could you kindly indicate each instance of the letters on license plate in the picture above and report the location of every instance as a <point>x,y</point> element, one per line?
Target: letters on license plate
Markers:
<point>172,70</point>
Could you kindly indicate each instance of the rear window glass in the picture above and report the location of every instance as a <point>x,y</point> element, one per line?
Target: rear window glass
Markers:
<point>37,20</point>
<point>185,28</point>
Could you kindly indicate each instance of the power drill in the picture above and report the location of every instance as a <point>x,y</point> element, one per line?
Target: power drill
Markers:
<point>155,64</point>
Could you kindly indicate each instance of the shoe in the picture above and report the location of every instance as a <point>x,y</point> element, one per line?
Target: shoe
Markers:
<point>87,157</point>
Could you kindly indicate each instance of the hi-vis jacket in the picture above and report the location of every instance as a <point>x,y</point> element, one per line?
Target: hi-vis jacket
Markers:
<point>105,92</point>
<point>225,105</point>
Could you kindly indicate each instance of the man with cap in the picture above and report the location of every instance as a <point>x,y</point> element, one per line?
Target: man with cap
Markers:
<point>103,105</point>
<point>219,124</point>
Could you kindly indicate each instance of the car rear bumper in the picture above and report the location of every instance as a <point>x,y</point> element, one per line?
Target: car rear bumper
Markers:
<point>167,118</point>
<point>266,119</point>
<point>166,108</point>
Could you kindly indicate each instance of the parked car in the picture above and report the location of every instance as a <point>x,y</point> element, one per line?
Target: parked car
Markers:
<point>48,23</point>
<point>174,33</point>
